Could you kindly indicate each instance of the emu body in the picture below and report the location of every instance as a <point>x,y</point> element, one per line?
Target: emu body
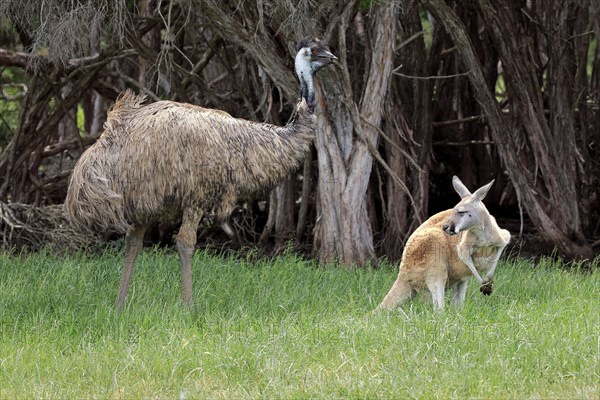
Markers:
<point>167,161</point>
<point>448,249</point>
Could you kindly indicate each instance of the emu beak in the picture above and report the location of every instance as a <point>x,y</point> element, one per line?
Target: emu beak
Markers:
<point>325,56</point>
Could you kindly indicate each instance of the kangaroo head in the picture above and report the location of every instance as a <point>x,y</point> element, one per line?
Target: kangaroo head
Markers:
<point>469,212</point>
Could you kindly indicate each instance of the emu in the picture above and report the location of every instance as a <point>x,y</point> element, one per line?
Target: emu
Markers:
<point>167,161</point>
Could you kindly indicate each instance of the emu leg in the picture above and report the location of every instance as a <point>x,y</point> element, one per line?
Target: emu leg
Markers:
<point>133,246</point>
<point>186,243</point>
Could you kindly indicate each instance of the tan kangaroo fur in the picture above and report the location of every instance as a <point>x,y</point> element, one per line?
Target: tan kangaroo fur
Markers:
<point>449,248</point>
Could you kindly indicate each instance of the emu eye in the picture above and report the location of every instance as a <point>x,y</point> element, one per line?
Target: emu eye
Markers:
<point>461,212</point>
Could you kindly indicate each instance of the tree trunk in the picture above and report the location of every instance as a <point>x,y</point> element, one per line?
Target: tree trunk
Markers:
<point>284,215</point>
<point>343,231</point>
<point>409,128</point>
<point>305,196</point>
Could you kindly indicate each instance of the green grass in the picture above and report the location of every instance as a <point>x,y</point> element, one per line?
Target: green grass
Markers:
<point>285,328</point>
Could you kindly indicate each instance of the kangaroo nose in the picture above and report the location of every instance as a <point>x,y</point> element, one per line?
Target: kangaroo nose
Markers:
<point>449,228</point>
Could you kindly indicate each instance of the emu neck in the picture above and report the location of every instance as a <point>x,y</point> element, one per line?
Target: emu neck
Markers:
<point>307,86</point>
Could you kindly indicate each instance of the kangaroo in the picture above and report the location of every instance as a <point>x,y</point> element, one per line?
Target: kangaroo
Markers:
<point>449,248</point>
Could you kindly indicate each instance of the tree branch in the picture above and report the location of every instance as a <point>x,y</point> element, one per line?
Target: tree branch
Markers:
<point>13,58</point>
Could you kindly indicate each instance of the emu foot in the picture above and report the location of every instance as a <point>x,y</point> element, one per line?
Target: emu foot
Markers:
<point>486,288</point>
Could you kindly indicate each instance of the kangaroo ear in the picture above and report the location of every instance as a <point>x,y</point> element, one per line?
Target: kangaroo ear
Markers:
<point>482,191</point>
<point>460,188</point>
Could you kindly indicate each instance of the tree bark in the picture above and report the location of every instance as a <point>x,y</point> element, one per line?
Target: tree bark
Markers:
<point>284,215</point>
<point>305,196</point>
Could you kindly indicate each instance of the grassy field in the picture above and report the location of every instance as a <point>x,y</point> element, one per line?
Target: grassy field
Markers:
<point>285,328</point>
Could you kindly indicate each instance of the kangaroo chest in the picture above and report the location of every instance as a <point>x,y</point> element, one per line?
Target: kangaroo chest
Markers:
<point>483,259</point>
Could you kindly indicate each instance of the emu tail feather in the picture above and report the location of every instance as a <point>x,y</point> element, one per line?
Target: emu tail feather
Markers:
<point>93,199</point>
<point>91,202</point>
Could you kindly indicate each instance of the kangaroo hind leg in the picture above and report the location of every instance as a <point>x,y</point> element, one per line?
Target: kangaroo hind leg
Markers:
<point>459,290</point>
<point>437,286</point>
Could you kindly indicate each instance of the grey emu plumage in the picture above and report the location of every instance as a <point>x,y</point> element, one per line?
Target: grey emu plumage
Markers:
<point>168,160</point>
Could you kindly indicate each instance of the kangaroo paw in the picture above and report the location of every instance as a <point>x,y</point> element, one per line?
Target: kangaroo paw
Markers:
<point>486,288</point>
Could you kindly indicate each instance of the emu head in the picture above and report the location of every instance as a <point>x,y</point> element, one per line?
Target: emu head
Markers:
<point>311,56</point>
<point>470,212</point>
